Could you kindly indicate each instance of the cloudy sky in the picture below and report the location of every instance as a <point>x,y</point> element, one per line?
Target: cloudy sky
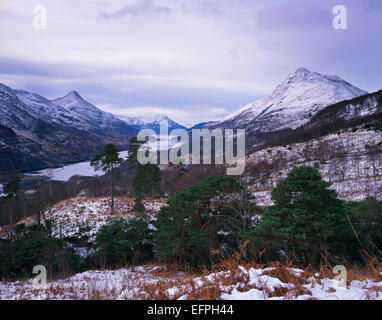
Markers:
<point>193,60</point>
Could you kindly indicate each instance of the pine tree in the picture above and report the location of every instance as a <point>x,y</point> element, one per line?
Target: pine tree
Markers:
<point>370,214</point>
<point>188,228</point>
<point>147,177</point>
<point>307,220</point>
<point>124,241</point>
<point>147,180</point>
<point>109,162</point>
<point>132,159</point>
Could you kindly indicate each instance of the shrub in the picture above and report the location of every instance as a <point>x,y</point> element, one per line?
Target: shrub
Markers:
<point>138,205</point>
<point>124,241</point>
<point>370,215</point>
<point>31,246</point>
<point>147,180</point>
<point>197,220</point>
<point>307,221</point>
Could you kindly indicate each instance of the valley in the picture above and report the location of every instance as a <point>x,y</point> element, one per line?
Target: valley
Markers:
<point>310,121</point>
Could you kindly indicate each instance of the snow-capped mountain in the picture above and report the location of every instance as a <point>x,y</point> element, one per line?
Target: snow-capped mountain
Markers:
<point>152,121</point>
<point>132,121</point>
<point>292,104</point>
<point>37,132</point>
<point>87,112</point>
<point>201,125</point>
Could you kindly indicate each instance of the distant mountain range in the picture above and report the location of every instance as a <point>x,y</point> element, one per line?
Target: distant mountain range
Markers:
<point>153,122</point>
<point>36,132</point>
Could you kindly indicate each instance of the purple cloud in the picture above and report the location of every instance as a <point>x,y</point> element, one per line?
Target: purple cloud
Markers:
<point>145,7</point>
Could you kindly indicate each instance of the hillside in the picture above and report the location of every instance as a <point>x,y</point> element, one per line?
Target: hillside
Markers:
<point>292,104</point>
<point>36,132</point>
<point>80,219</point>
<point>351,159</point>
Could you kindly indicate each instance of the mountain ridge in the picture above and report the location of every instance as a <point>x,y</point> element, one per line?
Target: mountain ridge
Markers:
<point>39,132</point>
<point>292,103</point>
<point>153,122</point>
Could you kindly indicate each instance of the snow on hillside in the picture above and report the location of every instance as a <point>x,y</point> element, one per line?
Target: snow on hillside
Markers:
<point>132,121</point>
<point>150,121</point>
<point>145,119</point>
<point>82,218</point>
<point>293,103</point>
<point>45,109</point>
<point>70,111</point>
<point>345,158</point>
<point>36,132</point>
<point>86,111</point>
<point>153,282</point>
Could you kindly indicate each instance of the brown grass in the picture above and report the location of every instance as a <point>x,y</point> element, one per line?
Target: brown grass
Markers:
<point>159,278</point>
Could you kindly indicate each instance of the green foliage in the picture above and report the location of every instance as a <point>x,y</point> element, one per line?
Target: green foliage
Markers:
<point>33,246</point>
<point>124,241</point>
<point>147,177</point>
<point>188,228</point>
<point>147,180</point>
<point>138,206</point>
<point>107,160</point>
<point>373,127</point>
<point>307,221</point>
<point>132,159</point>
<point>370,215</point>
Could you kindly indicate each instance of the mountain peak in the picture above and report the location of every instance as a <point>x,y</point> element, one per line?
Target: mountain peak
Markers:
<point>74,102</point>
<point>72,99</point>
<point>294,102</point>
<point>73,95</point>
<point>303,74</point>
<point>151,121</point>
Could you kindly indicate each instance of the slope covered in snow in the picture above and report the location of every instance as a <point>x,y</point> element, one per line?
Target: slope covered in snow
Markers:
<point>87,112</point>
<point>36,132</point>
<point>151,121</point>
<point>351,159</point>
<point>155,282</point>
<point>81,218</point>
<point>293,103</point>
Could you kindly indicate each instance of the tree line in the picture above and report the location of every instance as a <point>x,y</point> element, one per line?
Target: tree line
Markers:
<point>211,219</point>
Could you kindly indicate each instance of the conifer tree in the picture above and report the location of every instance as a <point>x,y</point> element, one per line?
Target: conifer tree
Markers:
<point>188,228</point>
<point>109,162</point>
<point>307,221</point>
<point>147,177</point>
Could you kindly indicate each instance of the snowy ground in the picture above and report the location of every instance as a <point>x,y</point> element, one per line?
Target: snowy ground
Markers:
<point>82,218</point>
<point>154,282</point>
<point>355,173</point>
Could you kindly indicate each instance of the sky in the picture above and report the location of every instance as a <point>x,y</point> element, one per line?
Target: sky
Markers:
<point>193,60</point>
